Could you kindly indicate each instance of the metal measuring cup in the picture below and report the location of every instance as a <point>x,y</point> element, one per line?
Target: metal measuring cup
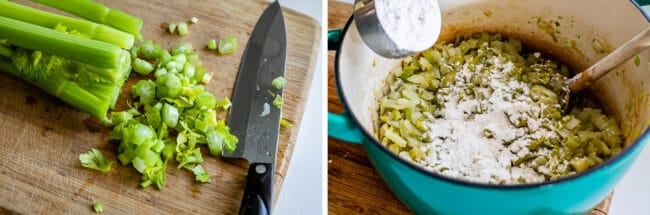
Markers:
<point>374,35</point>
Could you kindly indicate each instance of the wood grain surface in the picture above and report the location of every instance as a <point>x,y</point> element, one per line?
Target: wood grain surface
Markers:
<point>41,137</point>
<point>354,187</point>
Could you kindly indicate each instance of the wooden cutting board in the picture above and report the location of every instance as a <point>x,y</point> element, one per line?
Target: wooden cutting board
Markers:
<point>41,137</point>
<point>354,187</point>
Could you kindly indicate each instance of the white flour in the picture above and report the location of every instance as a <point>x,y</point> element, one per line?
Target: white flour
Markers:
<point>461,147</point>
<point>412,24</point>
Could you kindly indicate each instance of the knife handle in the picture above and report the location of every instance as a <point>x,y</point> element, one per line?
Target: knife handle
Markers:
<point>259,189</point>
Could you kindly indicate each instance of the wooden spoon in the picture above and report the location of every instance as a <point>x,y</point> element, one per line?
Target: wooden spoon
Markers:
<point>623,53</point>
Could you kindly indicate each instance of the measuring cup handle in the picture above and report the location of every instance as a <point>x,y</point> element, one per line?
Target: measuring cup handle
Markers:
<point>341,127</point>
<point>334,38</point>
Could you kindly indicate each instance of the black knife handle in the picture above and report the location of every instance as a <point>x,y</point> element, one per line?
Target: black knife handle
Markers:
<point>259,189</point>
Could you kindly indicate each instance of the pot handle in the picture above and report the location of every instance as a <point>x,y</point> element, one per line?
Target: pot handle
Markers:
<point>334,38</point>
<point>340,126</point>
<point>642,2</point>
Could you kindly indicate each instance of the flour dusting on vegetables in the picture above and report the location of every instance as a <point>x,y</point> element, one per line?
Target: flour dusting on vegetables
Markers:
<point>482,110</point>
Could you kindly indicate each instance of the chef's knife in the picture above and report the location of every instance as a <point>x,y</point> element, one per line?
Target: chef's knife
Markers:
<point>253,117</point>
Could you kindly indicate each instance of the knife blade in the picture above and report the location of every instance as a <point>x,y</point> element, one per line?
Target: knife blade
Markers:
<point>253,118</point>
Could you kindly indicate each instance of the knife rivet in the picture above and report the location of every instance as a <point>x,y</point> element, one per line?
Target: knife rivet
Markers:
<point>260,169</point>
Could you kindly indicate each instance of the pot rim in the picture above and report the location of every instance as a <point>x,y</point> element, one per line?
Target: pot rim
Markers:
<point>617,158</point>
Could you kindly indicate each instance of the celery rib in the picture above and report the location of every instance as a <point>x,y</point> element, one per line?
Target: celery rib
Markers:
<point>51,20</point>
<point>6,51</point>
<point>68,46</point>
<point>67,91</point>
<point>99,13</point>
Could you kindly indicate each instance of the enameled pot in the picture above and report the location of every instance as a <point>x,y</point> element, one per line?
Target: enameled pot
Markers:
<point>575,26</point>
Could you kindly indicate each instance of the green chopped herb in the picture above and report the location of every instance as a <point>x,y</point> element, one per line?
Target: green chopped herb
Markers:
<point>637,60</point>
<point>95,160</point>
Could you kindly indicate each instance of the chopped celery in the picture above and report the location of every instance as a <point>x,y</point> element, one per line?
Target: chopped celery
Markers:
<point>98,207</point>
<point>277,102</point>
<point>145,90</point>
<point>177,116</point>
<point>200,174</point>
<point>149,51</point>
<point>192,58</point>
<point>194,20</point>
<point>168,86</point>
<point>172,27</point>
<point>418,93</point>
<point>95,160</point>
<point>182,28</point>
<point>215,142</point>
<point>170,115</point>
<point>142,67</point>
<point>278,82</point>
<point>205,100</point>
<point>230,141</point>
<point>182,48</point>
<point>212,44</point>
<point>285,123</point>
<point>223,104</point>
<point>228,45</point>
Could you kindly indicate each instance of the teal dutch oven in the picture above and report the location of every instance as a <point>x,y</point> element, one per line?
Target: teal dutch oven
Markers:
<point>578,25</point>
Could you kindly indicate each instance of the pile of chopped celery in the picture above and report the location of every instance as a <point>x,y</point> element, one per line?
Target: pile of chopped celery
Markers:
<point>79,61</point>
<point>586,136</point>
<point>173,115</point>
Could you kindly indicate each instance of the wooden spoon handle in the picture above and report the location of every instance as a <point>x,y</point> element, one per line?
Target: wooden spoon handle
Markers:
<point>623,53</point>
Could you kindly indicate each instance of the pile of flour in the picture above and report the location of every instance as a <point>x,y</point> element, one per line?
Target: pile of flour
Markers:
<point>413,25</point>
<point>468,135</point>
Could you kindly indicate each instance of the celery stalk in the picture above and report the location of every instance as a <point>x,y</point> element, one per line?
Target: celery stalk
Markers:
<point>51,20</point>
<point>62,44</point>
<point>67,91</point>
<point>99,13</point>
<point>6,51</point>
